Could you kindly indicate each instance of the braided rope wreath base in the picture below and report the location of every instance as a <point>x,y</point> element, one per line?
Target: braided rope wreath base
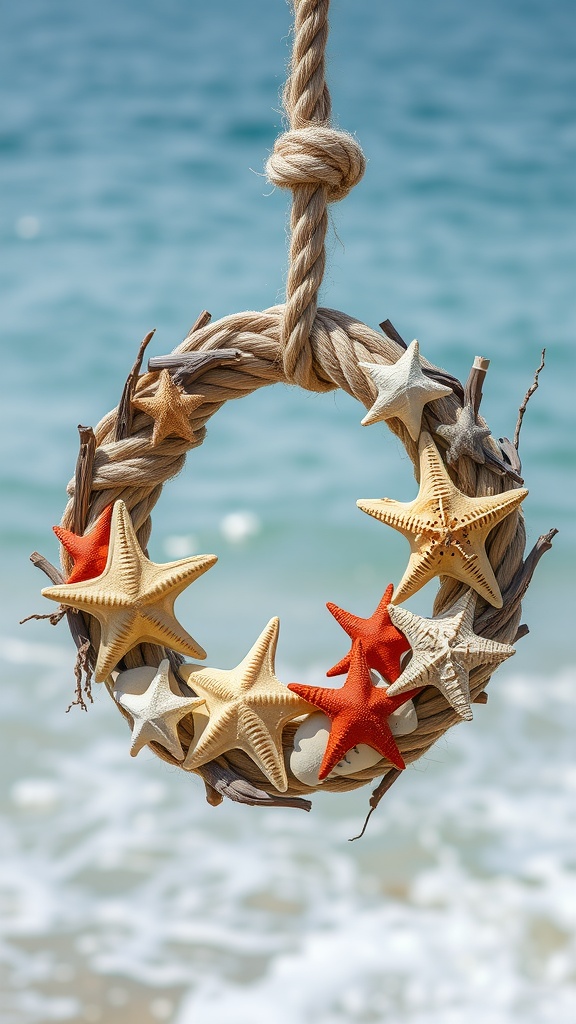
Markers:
<point>134,470</point>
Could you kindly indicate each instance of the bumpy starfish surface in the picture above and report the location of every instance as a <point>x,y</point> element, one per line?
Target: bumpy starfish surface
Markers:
<point>464,436</point>
<point>444,650</point>
<point>154,706</point>
<point>170,408</point>
<point>359,712</point>
<point>446,529</point>
<point>403,390</point>
<point>382,643</point>
<point>249,708</point>
<point>133,599</point>
<point>90,551</point>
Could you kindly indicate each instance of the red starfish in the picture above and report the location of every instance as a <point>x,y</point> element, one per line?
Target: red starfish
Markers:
<point>89,552</point>
<point>383,644</point>
<point>359,712</point>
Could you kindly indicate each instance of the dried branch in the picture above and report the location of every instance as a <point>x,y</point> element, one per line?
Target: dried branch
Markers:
<point>223,780</point>
<point>83,479</point>
<point>491,620</point>
<point>386,783</point>
<point>125,411</point>
<point>200,322</point>
<point>188,366</point>
<point>390,331</point>
<point>527,398</point>
<point>475,382</point>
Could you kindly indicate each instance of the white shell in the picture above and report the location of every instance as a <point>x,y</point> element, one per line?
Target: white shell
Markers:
<point>311,737</point>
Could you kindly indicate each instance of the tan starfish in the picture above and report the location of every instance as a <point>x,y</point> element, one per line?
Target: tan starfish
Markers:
<point>403,390</point>
<point>446,528</point>
<point>249,708</point>
<point>444,650</point>
<point>133,599</point>
<point>170,408</point>
<point>150,696</point>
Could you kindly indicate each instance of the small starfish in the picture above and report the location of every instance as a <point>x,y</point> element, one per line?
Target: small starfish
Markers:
<point>403,390</point>
<point>446,528</point>
<point>155,710</point>
<point>444,650</point>
<point>382,643</point>
<point>170,408</point>
<point>249,708</point>
<point>90,551</point>
<point>464,436</point>
<point>133,599</point>
<point>359,712</point>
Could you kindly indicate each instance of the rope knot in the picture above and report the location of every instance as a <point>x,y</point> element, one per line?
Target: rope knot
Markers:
<point>317,155</point>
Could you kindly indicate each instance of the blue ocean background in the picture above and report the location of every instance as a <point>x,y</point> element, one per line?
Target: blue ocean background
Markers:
<point>133,138</point>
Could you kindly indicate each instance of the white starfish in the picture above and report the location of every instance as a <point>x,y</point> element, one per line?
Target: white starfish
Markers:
<point>444,650</point>
<point>403,390</point>
<point>145,693</point>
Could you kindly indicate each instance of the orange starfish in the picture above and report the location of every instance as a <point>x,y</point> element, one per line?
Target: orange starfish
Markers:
<point>359,712</point>
<point>383,644</point>
<point>89,552</point>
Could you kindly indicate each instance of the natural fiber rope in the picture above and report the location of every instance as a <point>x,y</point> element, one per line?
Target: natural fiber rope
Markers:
<point>319,349</point>
<point>320,166</point>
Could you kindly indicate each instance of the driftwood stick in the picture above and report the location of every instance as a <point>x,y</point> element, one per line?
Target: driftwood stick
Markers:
<point>219,777</point>
<point>385,784</point>
<point>125,411</point>
<point>490,621</point>
<point>83,479</point>
<point>201,321</point>
<point>522,630</point>
<point>390,331</point>
<point>188,366</point>
<point>527,398</point>
<point>475,382</point>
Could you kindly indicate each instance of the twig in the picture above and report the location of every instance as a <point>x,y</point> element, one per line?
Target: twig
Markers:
<point>200,322</point>
<point>83,479</point>
<point>188,366</point>
<point>85,657</point>
<point>475,382</point>
<point>390,331</point>
<point>125,411</point>
<point>220,777</point>
<point>491,620</point>
<point>383,787</point>
<point>527,398</point>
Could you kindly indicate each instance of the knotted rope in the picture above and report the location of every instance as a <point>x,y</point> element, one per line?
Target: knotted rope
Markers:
<point>320,165</point>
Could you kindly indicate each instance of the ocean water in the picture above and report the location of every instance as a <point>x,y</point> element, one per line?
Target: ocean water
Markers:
<point>132,142</point>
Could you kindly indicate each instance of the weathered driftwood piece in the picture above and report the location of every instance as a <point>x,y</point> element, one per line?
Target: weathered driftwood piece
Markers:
<point>527,398</point>
<point>511,457</point>
<point>381,789</point>
<point>83,479</point>
<point>125,408</point>
<point>86,656</point>
<point>188,367</point>
<point>223,780</point>
<point>491,620</point>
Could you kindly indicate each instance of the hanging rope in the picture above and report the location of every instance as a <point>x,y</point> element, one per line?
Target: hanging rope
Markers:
<point>320,165</point>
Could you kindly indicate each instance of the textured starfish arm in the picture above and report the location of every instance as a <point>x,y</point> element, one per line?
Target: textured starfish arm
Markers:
<point>341,667</point>
<point>175,575</point>
<point>399,515</point>
<point>420,570</point>
<point>163,628</point>
<point>486,512</point>
<point>263,747</point>
<point>219,736</point>
<point>76,595</point>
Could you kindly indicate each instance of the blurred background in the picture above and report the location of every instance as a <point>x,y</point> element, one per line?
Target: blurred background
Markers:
<point>133,137</point>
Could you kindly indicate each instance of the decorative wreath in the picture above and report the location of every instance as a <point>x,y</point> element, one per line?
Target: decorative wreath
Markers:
<point>408,678</point>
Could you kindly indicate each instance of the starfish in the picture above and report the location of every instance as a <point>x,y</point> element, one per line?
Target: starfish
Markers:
<point>90,551</point>
<point>155,708</point>
<point>382,643</point>
<point>359,712</point>
<point>249,708</point>
<point>444,650</point>
<point>133,598</point>
<point>403,390</point>
<point>464,436</point>
<point>170,408</point>
<point>446,528</point>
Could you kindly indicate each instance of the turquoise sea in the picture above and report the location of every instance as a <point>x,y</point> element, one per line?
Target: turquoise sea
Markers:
<point>132,143</point>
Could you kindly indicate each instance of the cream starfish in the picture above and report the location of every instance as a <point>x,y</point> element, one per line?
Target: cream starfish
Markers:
<point>444,650</point>
<point>403,390</point>
<point>170,408</point>
<point>446,528</point>
<point>133,599</point>
<point>249,708</point>
<point>154,706</point>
